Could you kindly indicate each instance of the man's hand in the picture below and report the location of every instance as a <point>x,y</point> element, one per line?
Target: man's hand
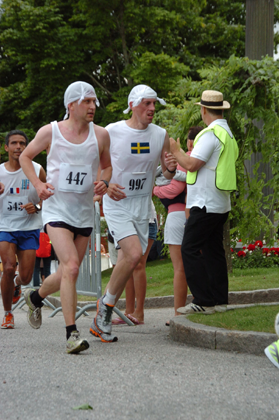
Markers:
<point>174,146</point>
<point>97,198</point>
<point>100,188</point>
<point>2,188</point>
<point>115,193</point>
<point>29,207</point>
<point>170,161</point>
<point>43,190</point>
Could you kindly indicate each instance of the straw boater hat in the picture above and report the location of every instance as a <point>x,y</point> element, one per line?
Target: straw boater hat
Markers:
<point>213,99</point>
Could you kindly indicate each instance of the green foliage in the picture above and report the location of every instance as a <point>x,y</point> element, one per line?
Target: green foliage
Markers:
<point>149,65</point>
<point>112,44</point>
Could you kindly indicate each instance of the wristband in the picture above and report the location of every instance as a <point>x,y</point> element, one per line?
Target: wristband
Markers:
<point>105,182</point>
<point>171,172</point>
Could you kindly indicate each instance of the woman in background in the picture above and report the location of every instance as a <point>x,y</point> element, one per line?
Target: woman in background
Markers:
<point>173,196</point>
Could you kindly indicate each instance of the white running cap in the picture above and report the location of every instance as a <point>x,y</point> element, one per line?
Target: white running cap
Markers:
<point>140,92</point>
<point>78,91</point>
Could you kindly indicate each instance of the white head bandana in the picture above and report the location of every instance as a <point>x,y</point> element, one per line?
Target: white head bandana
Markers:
<point>78,91</point>
<point>140,92</point>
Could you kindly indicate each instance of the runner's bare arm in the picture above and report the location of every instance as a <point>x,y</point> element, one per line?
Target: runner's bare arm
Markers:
<point>2,188</point>
<point>30,207</point>
<point>41,142</point>
<point>168,161</point>
<point>105,162</point>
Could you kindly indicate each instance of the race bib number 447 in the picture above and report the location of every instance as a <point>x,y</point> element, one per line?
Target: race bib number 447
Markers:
<point>137,183</point>
<point>75,178</point>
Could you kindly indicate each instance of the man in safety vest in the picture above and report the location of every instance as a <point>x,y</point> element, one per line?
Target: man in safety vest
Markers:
<point>211,177</point>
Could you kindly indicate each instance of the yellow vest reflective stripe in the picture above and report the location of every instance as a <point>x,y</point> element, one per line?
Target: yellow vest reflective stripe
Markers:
<point>225,173</point>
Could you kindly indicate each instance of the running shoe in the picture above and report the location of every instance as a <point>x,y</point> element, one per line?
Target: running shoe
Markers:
<point>75,344</point>
<point>192,308</point>
<point>34,315</point>
<point>105,338</point>
<point>276,326</point>
<point>101,325</point>
<point>8,322</point>
<point>272,352</point>
<point>17,294</point>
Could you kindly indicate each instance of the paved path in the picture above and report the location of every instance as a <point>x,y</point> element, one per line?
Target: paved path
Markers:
<point>145,375</point>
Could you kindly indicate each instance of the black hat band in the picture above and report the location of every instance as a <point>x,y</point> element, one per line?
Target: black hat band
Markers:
<point>207,103</point>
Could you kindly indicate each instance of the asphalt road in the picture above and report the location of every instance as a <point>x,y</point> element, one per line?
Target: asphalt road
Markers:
<point>144,375</point>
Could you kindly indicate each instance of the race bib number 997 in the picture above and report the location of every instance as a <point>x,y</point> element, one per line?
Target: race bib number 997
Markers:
<point>137,183</point>
<point>75,178</point>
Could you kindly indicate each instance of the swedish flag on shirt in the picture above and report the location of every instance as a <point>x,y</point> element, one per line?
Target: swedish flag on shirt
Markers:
<point>137,148</point>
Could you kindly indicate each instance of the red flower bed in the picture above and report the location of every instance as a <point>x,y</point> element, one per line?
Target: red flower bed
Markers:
<point>259,244</point>
<point>241,254</point>
<point>251,247</point>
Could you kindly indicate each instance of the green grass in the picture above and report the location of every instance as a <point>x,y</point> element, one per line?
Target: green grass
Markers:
<point>160,279</point>
<point>256,318</point>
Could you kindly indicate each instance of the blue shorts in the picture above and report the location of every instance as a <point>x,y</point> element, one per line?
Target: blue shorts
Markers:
<point>153,231</point>
<point>23,239</point>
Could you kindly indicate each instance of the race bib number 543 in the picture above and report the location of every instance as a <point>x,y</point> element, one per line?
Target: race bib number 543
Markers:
<point>12,205</point>
<point>75,178</point>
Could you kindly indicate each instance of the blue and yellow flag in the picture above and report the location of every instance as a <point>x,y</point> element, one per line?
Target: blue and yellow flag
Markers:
<point>137,148</point>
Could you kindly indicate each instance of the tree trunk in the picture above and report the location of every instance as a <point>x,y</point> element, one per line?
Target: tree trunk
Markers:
<point>259,43</point>
<point>259,28</point>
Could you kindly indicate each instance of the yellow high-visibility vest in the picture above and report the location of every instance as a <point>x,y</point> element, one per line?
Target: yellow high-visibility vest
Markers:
<point>225,173</point>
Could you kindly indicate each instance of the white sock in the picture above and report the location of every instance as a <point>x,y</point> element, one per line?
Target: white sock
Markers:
<point>8,312</point>
<point>15,283</point>
<point>109,299</point>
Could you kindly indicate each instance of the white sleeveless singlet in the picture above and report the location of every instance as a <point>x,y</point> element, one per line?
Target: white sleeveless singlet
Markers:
<point>18,190</point>
<point>135,155</point>
<point>72,170</point>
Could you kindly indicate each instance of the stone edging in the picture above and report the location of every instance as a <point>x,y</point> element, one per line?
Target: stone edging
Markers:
<point>199,335</point>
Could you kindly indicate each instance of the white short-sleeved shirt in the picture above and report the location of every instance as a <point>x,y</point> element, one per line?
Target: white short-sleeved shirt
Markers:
<point>204,192</point>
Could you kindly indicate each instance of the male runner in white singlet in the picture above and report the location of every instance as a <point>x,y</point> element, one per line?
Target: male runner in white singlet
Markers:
<point>20,224</point>
<point>75,148</point>
<point>136,148</point>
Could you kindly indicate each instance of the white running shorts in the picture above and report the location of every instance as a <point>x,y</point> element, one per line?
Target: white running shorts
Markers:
<point>122,226</point>
<point>174,228</point>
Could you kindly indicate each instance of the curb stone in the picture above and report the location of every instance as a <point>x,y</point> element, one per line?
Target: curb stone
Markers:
<point>184,331</point>
<point>199,335</point>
